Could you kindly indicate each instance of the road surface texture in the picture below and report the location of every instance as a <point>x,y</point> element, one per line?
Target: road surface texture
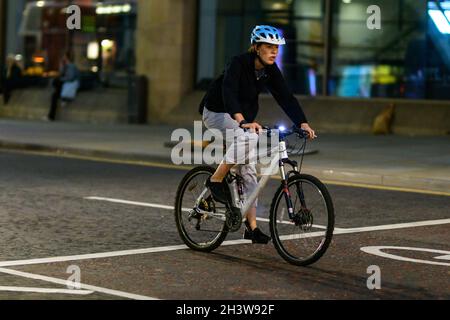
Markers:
<point>112,224</point>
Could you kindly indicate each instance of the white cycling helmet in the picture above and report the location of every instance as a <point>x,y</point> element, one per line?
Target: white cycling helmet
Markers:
<point>267,34</point>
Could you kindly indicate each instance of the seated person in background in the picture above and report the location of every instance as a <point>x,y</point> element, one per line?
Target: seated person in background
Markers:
<point>66,85</point>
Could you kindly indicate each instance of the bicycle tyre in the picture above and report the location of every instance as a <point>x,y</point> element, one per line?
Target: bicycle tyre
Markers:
<point>329,228</point>
<point>218,240</point>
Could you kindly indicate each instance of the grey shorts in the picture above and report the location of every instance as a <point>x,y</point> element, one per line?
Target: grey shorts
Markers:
<point>245,142</point>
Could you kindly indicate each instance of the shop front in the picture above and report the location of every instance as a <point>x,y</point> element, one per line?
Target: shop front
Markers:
<point>102,48</point>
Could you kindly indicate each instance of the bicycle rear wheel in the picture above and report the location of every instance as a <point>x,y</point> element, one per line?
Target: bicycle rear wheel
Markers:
<point>304,239</point>
<point>201,222</point>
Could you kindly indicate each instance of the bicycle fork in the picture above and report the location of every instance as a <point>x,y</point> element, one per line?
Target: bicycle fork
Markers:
<point>285,181</point>
<point>286,192</point>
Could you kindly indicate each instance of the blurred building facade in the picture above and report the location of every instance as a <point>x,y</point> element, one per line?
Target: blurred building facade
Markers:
<point>37,34</point>
<point>332,51</point>
<point>182,45</point>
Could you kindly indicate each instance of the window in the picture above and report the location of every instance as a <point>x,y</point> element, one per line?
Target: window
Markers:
<point>103,48</point>
<point>407,58</point>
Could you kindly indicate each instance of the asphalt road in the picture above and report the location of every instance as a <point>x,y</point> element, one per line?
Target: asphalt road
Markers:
<point>45,214</point>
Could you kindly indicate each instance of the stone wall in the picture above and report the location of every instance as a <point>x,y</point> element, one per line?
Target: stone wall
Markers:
<point>108,106</point>
<point>166,47</point>
<point>340,115</point>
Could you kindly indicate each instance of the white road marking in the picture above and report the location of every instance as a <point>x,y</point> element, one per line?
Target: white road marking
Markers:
<point>338,231</point>
<point>133,203</point>
<point>160,206</point>
<point>91,256</point>
<point>46,290</point>
<point>396,226</point>
<point>378,252</point>
<point>226,243</point>
<point>447,257</point>
<point>82,285</point>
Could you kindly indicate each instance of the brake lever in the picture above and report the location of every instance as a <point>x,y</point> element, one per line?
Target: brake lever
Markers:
<point>302,134</point>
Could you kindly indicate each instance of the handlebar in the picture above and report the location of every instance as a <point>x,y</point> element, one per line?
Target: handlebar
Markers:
<point>284,133</point>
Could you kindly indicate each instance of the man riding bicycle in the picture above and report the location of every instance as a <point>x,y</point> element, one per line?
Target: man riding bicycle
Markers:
<point>232,103</point>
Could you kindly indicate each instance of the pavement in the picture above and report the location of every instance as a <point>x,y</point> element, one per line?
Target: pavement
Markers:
<point>397,162</point>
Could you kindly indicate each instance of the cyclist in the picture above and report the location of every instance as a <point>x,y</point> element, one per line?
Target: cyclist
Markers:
<point>232,103</point>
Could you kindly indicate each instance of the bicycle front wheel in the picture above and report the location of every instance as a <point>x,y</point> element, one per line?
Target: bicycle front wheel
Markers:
<point>201,222</point>
<point>304,236</point>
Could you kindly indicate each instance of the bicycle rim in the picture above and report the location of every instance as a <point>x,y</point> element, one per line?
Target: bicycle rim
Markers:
<point>200,231</point>
<point>305,239</point>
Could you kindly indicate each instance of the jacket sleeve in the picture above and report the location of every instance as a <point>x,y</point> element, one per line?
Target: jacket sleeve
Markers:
<point>278,88</point>
<point>230,88</point>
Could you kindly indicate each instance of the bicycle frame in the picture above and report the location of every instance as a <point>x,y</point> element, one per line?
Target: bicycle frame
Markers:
<point>281,159</point>
<point>301,222</point>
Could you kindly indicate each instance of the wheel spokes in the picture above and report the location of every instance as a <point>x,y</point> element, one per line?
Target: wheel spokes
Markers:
<point>303,236</point>
<point>201,222</point>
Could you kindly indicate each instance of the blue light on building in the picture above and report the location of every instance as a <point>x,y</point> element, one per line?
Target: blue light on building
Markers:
<point>441,18</point>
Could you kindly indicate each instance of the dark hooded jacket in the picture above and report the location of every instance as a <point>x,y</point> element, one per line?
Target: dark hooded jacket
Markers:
<point>237,90</point>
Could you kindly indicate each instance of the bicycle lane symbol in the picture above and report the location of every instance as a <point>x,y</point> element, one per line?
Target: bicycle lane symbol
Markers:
<point>437,260</point>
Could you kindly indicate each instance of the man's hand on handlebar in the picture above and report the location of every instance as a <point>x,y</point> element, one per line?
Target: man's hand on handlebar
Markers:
<point>253,127</point>
<point>309,130</point>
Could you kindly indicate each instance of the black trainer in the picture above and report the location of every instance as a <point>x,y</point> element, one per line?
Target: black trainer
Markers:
<point>248,233</point>
<point>259,237</point>
<point>218,191</point>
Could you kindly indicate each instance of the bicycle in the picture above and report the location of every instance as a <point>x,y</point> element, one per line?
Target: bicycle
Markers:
<point>301,226</point>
